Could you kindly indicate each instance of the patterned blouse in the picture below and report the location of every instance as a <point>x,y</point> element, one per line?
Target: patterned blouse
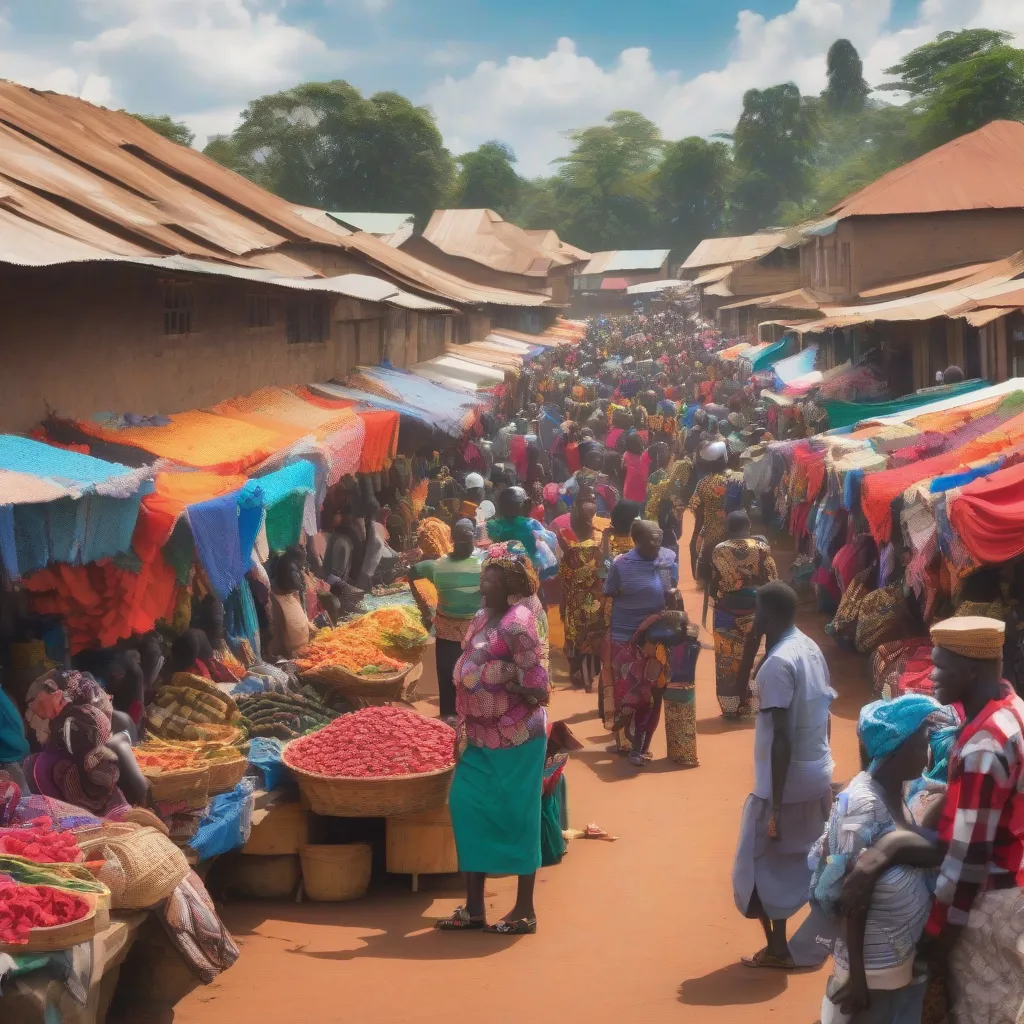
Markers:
<point>742,565</point>
<point>709,499</point>
<point>494,656</point>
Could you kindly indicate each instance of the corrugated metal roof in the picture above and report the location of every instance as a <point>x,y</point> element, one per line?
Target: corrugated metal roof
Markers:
<point>373,223</point>
<point>614,284</point>
<point>620,260</point>
<point>980,171</point>
<point>714,252</point>
<point>712,276</point>
<point>912,284</point>
<point>653,287</point>
<point>484,236</point>
<point>800,298</point>
<point>79,181</point>
<point>981,317</point>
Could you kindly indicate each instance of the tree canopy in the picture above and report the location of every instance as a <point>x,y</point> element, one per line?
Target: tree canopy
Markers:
<point>176,131</point>
<point>488,179</point>
<point>846,90</point>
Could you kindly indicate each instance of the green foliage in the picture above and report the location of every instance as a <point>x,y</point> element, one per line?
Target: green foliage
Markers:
<point>488,180</point>
<point>176,131</point>
<point>604,185</point>
<point>846,91</point>
<point>919,71</point>
<point>325,145</point>
<point>692,188</point>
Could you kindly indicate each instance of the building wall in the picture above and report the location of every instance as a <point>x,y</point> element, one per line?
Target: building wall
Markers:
<point>83,339</point>
<point>864,252</point>
<point>757,278</point>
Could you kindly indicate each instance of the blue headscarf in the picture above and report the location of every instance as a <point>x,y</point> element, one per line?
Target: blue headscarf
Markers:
<point>885,725</point>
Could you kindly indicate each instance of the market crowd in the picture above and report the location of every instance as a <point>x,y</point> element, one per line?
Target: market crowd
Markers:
<point>562,515</point>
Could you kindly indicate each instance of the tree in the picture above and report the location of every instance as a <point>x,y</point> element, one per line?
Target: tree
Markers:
<point>176,131</point>
<point>222,149</point>
<point>846,90</point>
<point>920,70</point>
<point>537,205</point>
<point>774,140</point>
<point>323,144</point>
<point>488,179</point>
<point>692,188</point>
<point>605,183</point>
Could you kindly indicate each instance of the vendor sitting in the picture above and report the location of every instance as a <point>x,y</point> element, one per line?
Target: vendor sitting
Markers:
<point>290,628</point>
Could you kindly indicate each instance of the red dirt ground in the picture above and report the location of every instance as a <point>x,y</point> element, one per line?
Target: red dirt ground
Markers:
<point>639,930</point>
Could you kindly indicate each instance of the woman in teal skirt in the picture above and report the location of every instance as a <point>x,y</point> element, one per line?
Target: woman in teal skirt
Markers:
<point>502,691</point>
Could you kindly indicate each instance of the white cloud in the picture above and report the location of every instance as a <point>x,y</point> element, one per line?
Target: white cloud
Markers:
<point>231,45</point>
<point>528,102</point>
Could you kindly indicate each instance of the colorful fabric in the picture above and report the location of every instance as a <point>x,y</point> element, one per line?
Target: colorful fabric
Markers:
<point>638,668</point>
<point>987,515</point>
<point>986,966</point>
<point>982,825</point>
<point>581,573</point>
<point>69,712</point>
<point>882,617</point>
<point>709,501</point>
<point>845,414</point>
<point>730,635</point>
<point>495,805</point>
<point>681,730</point>
<point>637,468</point>
<point>740,566</point>
<point>434,538</point>
<point>495,656</point>
<point>884,726</point>
<point>197,932</point>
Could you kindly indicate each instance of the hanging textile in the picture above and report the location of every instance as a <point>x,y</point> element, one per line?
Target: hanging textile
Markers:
<point>987,516</point>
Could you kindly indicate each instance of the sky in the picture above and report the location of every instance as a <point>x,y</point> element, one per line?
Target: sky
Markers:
<point>523,72</point>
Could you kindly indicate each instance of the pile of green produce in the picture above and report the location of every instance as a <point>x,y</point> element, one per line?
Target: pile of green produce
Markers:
<point>285,716</point>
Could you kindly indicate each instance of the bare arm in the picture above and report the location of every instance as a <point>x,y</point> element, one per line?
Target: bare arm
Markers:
<point>895,848</point>
<point>854,997</point>
<point>782,752</point>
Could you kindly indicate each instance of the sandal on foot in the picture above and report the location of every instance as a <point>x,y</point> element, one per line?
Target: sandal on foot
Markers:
<point>762,958</point>
<point>461,921</point>
<point>523,926</point>
<point>638,760</point>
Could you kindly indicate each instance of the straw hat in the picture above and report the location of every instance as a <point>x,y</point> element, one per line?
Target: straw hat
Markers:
<point>971,636</point>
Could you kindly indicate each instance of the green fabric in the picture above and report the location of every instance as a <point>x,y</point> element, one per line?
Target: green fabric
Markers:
<point>457,581</point>
<point>553,818</point>
<point>13,745</point>
<point>284,521</point>
<point>845,414</point>
<point>771,355</point>
<point>495,804</point>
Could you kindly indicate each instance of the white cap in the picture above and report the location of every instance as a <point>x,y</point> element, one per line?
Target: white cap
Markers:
<point>474,480</point>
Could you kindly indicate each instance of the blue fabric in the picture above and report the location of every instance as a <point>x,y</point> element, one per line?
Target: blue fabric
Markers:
<point>13,745</point>
<point>884,725</point>
<point>795,366</point>
<point>8,545</point>
<point>265,755</point>
<point>214,526</point>
<point>71,470</point>
<point>764,360</point>
<point>951,480</point>
<point>276,486</point>
<point>227,823</point>
<point>250,518</point>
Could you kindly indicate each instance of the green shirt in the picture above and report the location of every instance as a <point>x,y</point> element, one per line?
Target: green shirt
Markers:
<point>457,581</point>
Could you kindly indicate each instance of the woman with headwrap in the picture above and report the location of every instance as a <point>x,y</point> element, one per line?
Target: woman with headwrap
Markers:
<point>513,524</point>
<point>708,508</point>
<point>875,977</point>
<point>502,690</point>
<point>80,763</point>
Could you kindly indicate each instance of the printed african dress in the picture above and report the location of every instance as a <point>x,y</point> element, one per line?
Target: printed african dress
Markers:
<point>738,568</point>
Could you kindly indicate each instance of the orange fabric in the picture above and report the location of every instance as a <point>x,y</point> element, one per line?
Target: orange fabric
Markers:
<point>285,407</point>
<point>988,514</point>
<point>203,440</point>
<point>100,603</point>
<point>321,402</point>
<point>174,493</point>
<point>381,443</point>
<point>879,489</point>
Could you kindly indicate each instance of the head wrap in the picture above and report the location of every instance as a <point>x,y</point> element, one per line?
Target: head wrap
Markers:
<point>434,538</point>
<point>520,575</point>
<point>885,725</point>
<point>971,636</point>
<point>474,480</point>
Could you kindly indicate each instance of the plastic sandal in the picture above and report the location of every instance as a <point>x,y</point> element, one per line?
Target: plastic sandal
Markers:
<point>460,921</point>
<point>524,926</point>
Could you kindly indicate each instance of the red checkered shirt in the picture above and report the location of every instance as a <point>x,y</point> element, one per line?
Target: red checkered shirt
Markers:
<point>982,825</point>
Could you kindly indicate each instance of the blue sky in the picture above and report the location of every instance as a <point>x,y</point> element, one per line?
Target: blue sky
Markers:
<point>523,72</point>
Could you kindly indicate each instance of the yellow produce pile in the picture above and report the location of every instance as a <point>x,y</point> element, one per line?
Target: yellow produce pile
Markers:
<point>378,643</point>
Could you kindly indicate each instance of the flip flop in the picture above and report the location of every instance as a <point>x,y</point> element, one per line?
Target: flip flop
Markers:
<point>523,926</point>
<point>460,921</point>
<point>762,958</point>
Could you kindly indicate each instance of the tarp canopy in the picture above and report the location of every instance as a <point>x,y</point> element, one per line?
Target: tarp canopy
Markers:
<point>764,360</point>
<point>845,414</point>
<point>796,365</point>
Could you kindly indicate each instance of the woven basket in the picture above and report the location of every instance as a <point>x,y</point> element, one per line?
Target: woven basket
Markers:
<point>225,774</point>
<point>372,798</point>
<point>332,874</point>
<point>190,786</point>
<point>61,936</point>
<point>142,867</point>
<point>377,689</point>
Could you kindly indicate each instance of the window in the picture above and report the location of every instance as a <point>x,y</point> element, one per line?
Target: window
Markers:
<point>179,307</point>
<point>307,322</point>
<point>257,310</point>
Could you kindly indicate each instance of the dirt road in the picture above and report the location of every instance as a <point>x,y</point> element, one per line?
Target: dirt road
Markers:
<point>639,930</point>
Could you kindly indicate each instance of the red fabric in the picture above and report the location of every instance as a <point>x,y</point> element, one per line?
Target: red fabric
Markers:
<point>517,453</point>
<point>879,489</point>
<point>381,443</point>
<point>988,515</point>
<point>572,457</point>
